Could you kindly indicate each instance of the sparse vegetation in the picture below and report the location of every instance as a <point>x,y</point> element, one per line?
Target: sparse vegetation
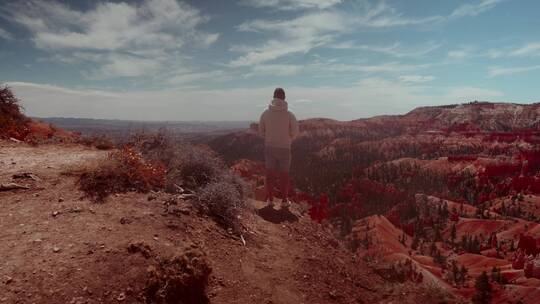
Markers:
<point>177,167</point>
<point>122,171</point>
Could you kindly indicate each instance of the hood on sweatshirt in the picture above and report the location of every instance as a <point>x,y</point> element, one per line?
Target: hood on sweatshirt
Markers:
<point>278,105</point>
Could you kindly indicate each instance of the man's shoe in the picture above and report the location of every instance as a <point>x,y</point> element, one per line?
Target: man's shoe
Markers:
<point>285,203</point>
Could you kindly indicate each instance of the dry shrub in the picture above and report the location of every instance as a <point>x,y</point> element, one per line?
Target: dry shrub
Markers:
<point>221,193</point>
<point>103,143</point>
<point>190,166</point>
<point>223,201</point>
<point>100,142</point>
<point>181,279</point>
<point>123,170</point>
<point>13,123</point>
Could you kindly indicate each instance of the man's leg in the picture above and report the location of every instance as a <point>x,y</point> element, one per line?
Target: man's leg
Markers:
<point>284,185</point>
<point>284,164</point>
<point>269,184</point>
<point>270,164</point>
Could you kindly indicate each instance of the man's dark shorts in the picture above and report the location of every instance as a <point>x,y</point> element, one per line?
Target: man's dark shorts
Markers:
<point>277,159</point>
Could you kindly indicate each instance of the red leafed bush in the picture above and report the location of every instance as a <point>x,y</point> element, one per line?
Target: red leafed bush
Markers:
<point>501,170</point>
<point>528,245</point>
<point>12,122</point>
<point>531,161</point>
<point>318,210</point>
<point>124,170</point>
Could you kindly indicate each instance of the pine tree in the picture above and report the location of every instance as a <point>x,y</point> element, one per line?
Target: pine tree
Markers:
<point>475,246</point>
<point>463,274</point>
<point>433,249</point>
<point>415,242</point>
<point>455,272</point>
<point>494,274</point>
<point>483,290</point>
<point>464,242</point>
<point>438,236</point>
<point>453,234</point>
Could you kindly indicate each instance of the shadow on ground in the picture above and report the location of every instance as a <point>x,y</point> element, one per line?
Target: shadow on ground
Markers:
<point>277,216</point>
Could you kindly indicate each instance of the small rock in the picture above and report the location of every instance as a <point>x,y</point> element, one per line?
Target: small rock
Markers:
<point>8,280</point>
<point>55,213</point>
<point>151,197</point>
<point>121,297</point>
<point>184,211</point>
<point>332,294</point>
<point>12,186</point>
<point>88,291</point>
<point>56,249</point>
<point>60,200</point>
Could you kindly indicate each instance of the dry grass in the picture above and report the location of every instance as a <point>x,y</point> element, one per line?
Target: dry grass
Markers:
<point>122,171</point>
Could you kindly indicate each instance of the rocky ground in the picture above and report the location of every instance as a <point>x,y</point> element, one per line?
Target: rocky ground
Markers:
<point>58,247</point>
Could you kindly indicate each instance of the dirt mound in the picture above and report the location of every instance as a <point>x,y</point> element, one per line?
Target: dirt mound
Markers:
<point>181,279</point>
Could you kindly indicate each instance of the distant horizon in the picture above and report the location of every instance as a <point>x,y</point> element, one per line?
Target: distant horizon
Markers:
<point>256,120</point>
<point>177,60</point>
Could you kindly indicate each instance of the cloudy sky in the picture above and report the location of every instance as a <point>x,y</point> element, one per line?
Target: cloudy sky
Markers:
<point>220,60</point>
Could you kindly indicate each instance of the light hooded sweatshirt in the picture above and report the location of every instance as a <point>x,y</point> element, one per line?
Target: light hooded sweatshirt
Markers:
<point>278,125</point>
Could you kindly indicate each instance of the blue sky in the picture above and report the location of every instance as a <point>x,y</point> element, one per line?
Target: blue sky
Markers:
<point>220,60</point>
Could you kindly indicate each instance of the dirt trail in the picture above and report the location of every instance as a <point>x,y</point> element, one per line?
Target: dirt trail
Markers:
<point>58,247</point>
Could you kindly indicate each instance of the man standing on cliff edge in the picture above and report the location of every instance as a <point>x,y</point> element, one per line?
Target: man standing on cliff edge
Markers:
<point>279,127</point>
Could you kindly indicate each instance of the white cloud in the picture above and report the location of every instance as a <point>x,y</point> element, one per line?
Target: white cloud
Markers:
<point>127,66</point>
<point>298,35</point>
<point>112,26</point>
<point>369,97</point>
<point>292,4</point>
<point>387,67</point>
<point>190,77</point>
<point>61,90</point>
<point>502,71</point>
<point>474,9</point>
<point>462,53</point>
<point>465,94</point>
<point>494,54</point>
<point>5,34</point>
<point>309,30</point>
<point>416,78</point>
<point>530,49</point>
<point>395,49</point>
<point>383,15</point>
<point>133,38</point>
<point>276,69</point>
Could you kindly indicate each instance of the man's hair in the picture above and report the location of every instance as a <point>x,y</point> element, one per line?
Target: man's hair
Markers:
<point>279,93</point>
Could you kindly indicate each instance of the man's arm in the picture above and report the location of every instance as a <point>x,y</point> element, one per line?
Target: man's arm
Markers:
<point>293,126</point>
<point>262,126</point>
